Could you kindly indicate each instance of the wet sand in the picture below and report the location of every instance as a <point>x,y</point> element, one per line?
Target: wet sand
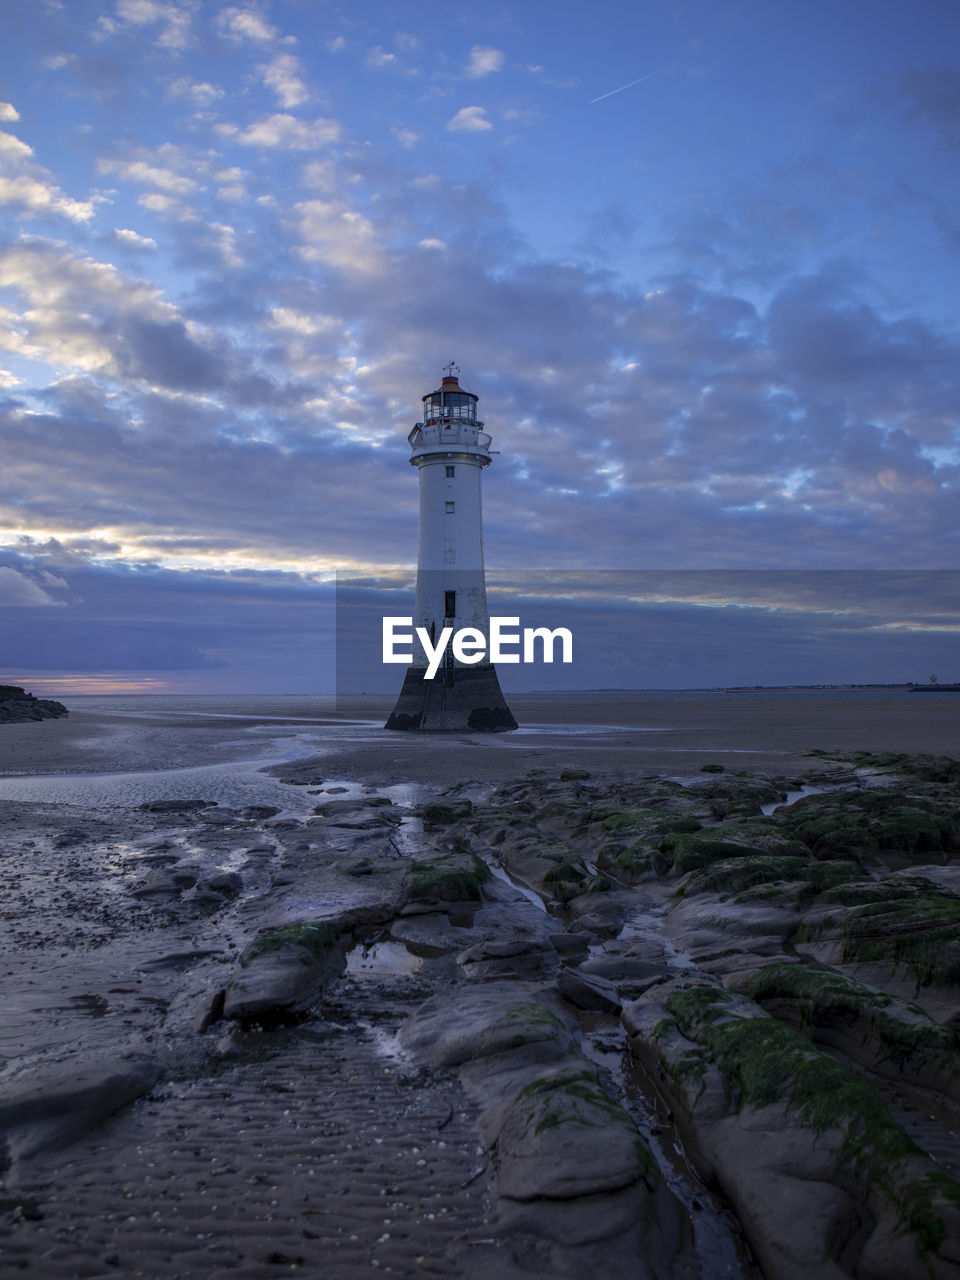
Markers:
<point>652,737</point>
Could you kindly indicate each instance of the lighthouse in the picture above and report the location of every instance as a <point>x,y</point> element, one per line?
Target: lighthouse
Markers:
<point>450,450</point>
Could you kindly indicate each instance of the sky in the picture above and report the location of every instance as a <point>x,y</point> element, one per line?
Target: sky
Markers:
<point>699,259</point>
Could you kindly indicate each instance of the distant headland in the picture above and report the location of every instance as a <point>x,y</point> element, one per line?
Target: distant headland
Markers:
<point>16,705</point>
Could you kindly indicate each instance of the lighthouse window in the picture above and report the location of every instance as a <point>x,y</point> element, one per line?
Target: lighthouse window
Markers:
<point>450,508</point>
<point>450,473</point>
<point>449,404</point>
<point>449,604</point>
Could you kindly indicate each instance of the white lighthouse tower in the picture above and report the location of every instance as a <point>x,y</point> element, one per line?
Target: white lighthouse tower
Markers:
<point>450,450</point>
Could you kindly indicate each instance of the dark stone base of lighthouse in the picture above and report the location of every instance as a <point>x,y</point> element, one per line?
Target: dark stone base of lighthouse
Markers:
<point>466,698</point>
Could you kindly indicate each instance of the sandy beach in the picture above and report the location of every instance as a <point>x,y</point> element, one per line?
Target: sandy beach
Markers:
<point>148,851</point>
<point>667,736</point>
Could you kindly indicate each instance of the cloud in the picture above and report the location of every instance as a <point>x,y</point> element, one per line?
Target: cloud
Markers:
<point>31,188</point>
<point>172,629</point>
<point>246,24</point>
<point>337,235</point>
<point>285,132</point>
<point>158,203</point>
<point>132,240</point>
<point>745,400</point>
<point>469,120</point>
<point>148,175</point>
<point>406,137</point>
<point>201,93</point>
<point>378,57</point>
<point>8,112</point>
<point>12,149</point>
<point>176,20</point>
<point>18,591</point>
<point>283,75</point>
<point>86,315</point>
<point>484,60</point>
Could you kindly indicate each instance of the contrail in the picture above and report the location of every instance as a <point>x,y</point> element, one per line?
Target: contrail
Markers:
<point>626,86</point>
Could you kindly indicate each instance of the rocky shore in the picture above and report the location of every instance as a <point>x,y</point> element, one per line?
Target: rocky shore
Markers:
<point>574,1022</point>
<point>17,705</point>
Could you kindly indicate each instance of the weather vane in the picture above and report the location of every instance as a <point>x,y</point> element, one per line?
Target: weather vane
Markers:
<point>451,370</point>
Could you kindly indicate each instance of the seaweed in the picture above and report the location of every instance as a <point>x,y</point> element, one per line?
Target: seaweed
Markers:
<point>444,813</point>
<point>864,824</point>
<point>584,1086</point>
<point>694,850</point>
<point>564,873</point>
<point>821,994</point>
<point>447,880</point>
<point>763,1061</point>
<point>919,930</point>
<point>317,937</point>
<point>731,875</point>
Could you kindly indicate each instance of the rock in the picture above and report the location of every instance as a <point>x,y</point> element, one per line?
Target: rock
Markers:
<point>159,859</point>
<point>886,1035</point>
<point>570,944</point>
<point>353,816</point>
<point>229,883</point>
<point>176,806</point>
<point>731,795</point>
<point>204,900</point>
<point>730,928</point>
<point>823,1180</point>
<point>432,933</point>
<point>160,885</point>
<point>563,1137</point>
<point>70,838</point>
<point>454,878</point>
<point>16,705</point>
<point>523,957</point>
<point>587,991</point>
<point>871,823</point>
<point>210,1011</point>
<point>482,1021</point>
<point>66,1101</point>
<point>604,913</point>
<point>906,930</point>
<point>629,974</point>
<point>258,812</point>
<point>179,959</point>
<point>285,971</point>
<point>443,813</point>
<point>359,804</point>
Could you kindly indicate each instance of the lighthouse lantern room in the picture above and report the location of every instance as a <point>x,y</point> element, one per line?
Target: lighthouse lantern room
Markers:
<point>450,449</point>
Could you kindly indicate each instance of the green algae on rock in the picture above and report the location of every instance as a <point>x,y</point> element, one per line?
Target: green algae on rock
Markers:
<point>809,1119</point>
<point>315,938</point>
<point>919,931</point>
<point>285,970</point>
<point>885,1034</point>
<point>564,1137</point>
<point>451,879</point>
